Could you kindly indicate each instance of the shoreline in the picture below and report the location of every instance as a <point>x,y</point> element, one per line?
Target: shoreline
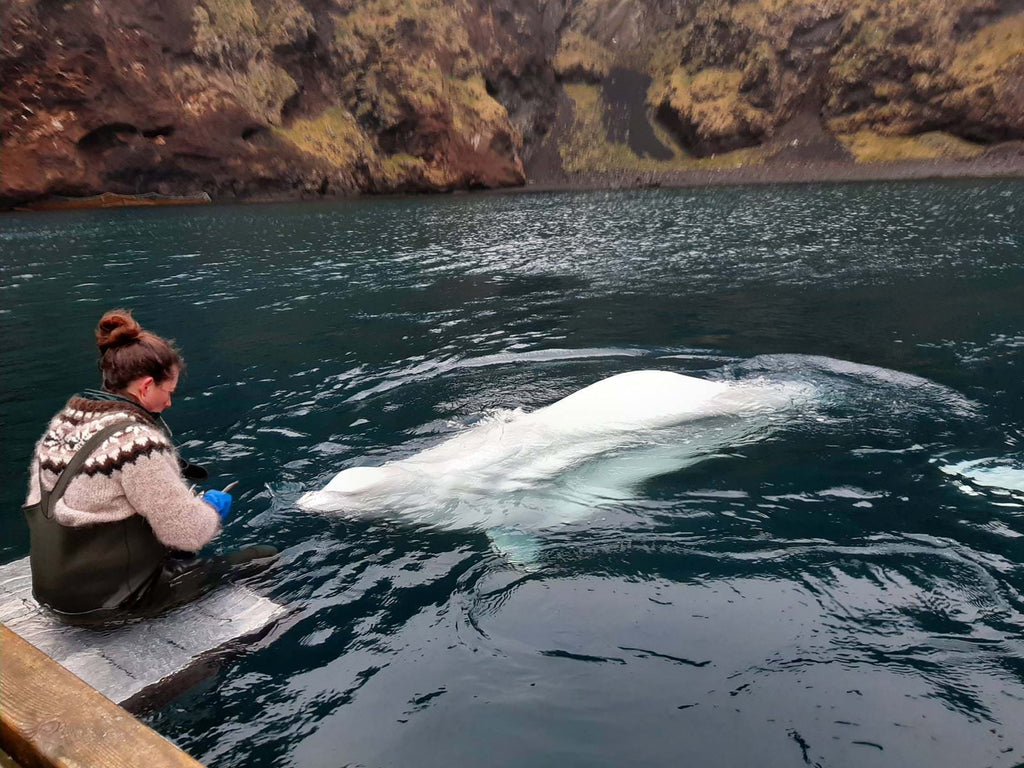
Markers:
<point>1005,167</point>
<point>804,172</point>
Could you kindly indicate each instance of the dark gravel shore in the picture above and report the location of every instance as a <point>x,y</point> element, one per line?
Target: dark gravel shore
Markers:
<point>1002,164</point>
<point>996,165</point>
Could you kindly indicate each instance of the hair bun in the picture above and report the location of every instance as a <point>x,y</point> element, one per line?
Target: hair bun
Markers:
<point>116,329</point>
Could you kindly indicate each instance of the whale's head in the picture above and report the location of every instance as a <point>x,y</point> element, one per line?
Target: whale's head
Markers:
<point>355,483</point>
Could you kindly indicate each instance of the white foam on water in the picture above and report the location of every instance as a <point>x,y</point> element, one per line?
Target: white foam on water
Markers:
<point>996,474</point>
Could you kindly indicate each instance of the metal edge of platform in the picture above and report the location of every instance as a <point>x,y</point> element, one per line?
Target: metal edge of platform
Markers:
<point>125,664</point>
<point>201,668</point>
<point>50,716</point>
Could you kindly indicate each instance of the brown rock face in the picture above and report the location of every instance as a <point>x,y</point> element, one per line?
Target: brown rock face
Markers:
<point>99,96</point>
<point>243,98</point>
<point>296,98</point>
<point>728,76</point>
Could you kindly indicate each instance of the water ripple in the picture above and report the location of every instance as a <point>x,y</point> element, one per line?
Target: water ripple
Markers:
<point>848,590</point>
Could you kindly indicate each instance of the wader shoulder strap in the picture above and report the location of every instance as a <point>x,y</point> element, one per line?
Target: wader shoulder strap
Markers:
<point>48,498</point>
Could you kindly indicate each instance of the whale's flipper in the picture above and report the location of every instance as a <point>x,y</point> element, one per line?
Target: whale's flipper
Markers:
<point>520,549</point>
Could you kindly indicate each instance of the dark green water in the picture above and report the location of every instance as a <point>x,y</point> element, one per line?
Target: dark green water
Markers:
<point>829,596</point>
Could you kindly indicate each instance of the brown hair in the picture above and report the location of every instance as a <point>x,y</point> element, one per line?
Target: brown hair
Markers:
<point>127,352</point>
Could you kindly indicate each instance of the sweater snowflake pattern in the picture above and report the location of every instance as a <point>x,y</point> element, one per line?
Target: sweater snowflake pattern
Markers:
<point>134,471</point>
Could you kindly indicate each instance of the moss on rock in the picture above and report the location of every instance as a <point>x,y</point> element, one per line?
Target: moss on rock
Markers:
<point>870,147</point>
<point>333,136</point>
<point>586,147</point>
<point>581,58</point>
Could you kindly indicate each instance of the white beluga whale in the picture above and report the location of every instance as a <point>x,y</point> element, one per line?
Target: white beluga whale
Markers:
<point>518,473</point>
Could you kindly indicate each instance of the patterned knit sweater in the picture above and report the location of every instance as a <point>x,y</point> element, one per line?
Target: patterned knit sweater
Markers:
<point>133,472</point>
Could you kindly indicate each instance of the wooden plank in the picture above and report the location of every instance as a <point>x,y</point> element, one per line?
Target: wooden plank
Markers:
<point>50,718</point>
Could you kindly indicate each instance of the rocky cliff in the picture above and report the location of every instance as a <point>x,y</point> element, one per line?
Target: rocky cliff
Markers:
<point>292,98</point>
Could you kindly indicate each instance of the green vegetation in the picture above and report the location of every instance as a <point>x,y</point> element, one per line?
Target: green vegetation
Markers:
<point>436,24</point>
<point>710,99</point>
<point>991,53</point>
<point>394,49</point>
<point>233,35</point>
<point>587,149</point>
<point>400,169</point>
<point>229,18</point>
<point>263,89</point>
<point>663,53</point>
<point>580,54</point>
<point>333,136</point>
<point>870,147</point>
<point>411,65</point>
<point>712,64</point>
<point>225,30</point>
<point>474,111</point>
<point>410,62</point>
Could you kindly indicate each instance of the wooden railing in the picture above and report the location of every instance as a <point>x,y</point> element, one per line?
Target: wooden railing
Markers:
<point>50,718</point>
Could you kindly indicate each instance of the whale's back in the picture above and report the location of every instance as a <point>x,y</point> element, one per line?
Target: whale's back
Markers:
<point>634,400</point>
<point>516,451</point>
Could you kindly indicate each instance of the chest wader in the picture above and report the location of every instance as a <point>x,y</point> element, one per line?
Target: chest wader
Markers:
<point>93,573</point>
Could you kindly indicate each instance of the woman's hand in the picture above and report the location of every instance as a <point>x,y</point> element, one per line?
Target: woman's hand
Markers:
<point>220,501</point>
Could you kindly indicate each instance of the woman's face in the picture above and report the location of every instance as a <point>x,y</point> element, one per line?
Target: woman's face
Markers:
<point>153,396</point>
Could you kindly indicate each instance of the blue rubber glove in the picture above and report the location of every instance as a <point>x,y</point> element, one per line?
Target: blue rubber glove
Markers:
<point>220,501</point>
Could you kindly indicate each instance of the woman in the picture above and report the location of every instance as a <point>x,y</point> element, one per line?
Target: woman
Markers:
<point>110,514</point>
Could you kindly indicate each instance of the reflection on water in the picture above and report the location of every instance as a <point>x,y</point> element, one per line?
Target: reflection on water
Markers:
<point>844,591</point>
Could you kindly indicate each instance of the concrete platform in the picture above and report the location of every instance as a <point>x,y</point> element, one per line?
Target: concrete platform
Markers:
<point>130,664</point>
